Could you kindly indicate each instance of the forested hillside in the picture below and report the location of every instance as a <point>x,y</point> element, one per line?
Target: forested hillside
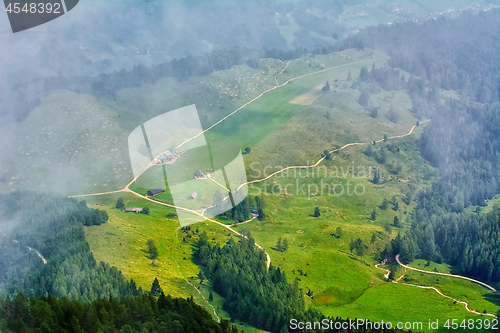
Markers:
<point>252,293</point>
<point>64,265</point>
<point>469,241</point>
<point>460,54</point>
<point>114,314</point>
<point>462,140</point>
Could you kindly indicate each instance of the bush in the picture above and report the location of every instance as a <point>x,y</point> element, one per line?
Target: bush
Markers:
<point>120,204</point>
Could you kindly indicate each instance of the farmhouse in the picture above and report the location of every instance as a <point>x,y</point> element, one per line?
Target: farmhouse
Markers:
<point>198,174</point>
<point>133,210</point>
<point>193,196</point>
<point>166,157</point>
<point>155,191</point>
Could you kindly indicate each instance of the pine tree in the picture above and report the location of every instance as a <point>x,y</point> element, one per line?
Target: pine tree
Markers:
<point>201,276</point>
<point>352,245</point>
<point>211,296</point>
<point>152,249</point>
<point>368,151</point>
<point>285,245</point>
<point>376,177</point>
<point>120,204</point>
<point>364,98</point>
<point>259,201</point>
<point>373,215</point>
<point>279,245</point>
<point>396,222</point>
<point>317,212</point>
<point>8,307</point>
<point>326,87</point>
<point>360,248</point>
<point>338,232</point>
<point>385,204</point>
<point>155,288</point>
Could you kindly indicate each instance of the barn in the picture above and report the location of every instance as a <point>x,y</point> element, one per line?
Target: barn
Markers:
<point>193,196</point>
<point>133,210</point>
<point>155,191</point>
<point>198,174</point>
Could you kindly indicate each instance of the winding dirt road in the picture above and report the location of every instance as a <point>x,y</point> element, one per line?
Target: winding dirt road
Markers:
<point>268,261</point>
<point>445,274</point>
<point>466,304</point>
<point>198,290</point>
<point>331,151</point>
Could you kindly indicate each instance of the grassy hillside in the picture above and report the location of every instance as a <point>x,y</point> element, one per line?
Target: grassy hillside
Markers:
<point>121,242</point>
<point>398,303</point>
<point>76,143</point>
<point>479,298</point>
<point>291,125</point>
<point>342,283</point>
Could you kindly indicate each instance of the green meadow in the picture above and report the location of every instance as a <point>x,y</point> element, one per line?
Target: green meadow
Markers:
<point>121,242</point>
<point>398,303</point>
<point>279,134</point>
<point>480,298</point>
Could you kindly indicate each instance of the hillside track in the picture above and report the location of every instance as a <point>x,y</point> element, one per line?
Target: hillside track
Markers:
<point>466,304</point>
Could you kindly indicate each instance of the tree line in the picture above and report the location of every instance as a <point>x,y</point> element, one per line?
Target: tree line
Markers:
<point>252,293</point>
<point>462,140</point>
<point>124,314</point>
<point>53,226</point>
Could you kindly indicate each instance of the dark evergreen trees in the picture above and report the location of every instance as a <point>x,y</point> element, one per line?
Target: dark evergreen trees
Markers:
<point>364,98</point>
<point>376,177</point>
<point>327,155</point>
<point>317,212</point>
<point>326,87</point>
<point>53,226</point>
<point>368,151</point>
<point>385,204</point>
<point>396,222</point>
<point>116,314</point>
<point>155,288</point>
<point>152,249</point>
<point>252,293</point>
<point>339,232</point>
<point>120,204</point>
<point>201,276</point>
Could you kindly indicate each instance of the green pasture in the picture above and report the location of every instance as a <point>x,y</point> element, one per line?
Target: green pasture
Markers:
<point>480,298</point>
<point>399,303</point>
<point>121,242</point>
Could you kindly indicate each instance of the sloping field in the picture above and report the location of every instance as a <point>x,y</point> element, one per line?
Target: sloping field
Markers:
<point>398,303</point>
<point>309,97</point>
